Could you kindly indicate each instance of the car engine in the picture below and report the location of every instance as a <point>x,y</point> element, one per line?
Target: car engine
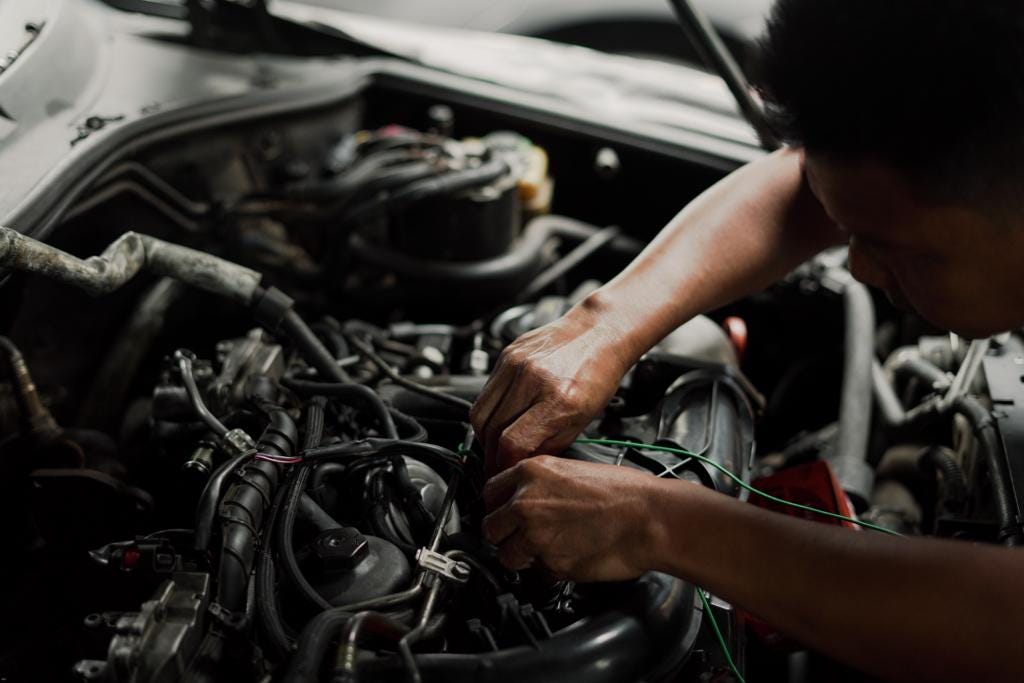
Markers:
<point>236,441</point>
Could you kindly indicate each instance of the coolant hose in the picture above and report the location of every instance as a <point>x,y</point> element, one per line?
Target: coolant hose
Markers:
<point>502,275</point>
<point>349,393</point>
<point>126,257</point>
<point>311,348</point>
<point>856,400</point>
<point>941,459</point>
<point>245,504</point>
<point>209,499</point>
<point>1011,522</point>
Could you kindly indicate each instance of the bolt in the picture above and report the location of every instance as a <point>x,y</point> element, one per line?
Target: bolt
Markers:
<point>607,164</point>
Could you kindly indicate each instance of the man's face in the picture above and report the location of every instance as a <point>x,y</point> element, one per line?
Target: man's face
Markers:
<point>959,268</point>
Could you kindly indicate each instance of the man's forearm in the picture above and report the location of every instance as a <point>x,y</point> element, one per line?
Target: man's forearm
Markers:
<point>919,609</point>
<point>743,234</point>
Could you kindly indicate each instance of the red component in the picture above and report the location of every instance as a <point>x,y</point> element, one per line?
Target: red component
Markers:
<point>736,328</point>
<point>816,486</point>
<point>130,559</point>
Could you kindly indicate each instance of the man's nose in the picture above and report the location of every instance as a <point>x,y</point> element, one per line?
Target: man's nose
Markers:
<point>866,268</point>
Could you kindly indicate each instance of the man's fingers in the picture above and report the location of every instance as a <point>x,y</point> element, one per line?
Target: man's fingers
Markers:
<point>516,401</point>
<point>500,524</point>
<point>491,397</point>
<point>500,488</point>
<point>524,436</point>
<point>515,553</point>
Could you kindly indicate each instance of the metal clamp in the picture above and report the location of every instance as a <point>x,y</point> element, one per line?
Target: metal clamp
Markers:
<point>236,442</point>
<point>442,565</point>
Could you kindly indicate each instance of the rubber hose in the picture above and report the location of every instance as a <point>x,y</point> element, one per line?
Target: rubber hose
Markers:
<point>856,400</point>
<point>268,611</point>
<point>296,488</point>
<point>350,392</point>
<point>941,459</point>
<point>1011,531</point>
<point>311,348</point>
<point>209,499</point>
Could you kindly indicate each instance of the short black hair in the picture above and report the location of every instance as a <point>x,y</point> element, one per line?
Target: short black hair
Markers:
<point>934,88</point>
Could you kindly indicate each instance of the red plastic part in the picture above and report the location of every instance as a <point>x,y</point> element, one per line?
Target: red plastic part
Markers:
<point>814,485</point>
<point>736,328</point>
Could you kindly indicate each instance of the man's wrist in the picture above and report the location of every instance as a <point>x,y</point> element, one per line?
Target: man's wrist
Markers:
<point>616,322</point>
<point>656,526</point>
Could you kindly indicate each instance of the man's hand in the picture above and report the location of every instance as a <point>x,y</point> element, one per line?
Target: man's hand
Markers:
<point>548,384</point>
<point>582,521</point>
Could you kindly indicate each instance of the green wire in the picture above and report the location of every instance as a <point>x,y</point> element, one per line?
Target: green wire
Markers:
<point>719,636</point>
<point>740,482</point>
<point>751,489</point>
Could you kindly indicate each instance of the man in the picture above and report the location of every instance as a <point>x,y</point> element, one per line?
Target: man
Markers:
<point>906,125</point>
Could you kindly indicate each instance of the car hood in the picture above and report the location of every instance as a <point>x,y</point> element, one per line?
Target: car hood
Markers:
<point>94,79</point>
<point>610,85</point>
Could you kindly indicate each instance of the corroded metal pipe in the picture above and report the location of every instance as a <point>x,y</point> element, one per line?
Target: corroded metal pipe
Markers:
<point>128,255</point>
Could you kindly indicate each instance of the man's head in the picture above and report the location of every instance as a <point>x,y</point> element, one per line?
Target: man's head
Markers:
<point>912,116</point>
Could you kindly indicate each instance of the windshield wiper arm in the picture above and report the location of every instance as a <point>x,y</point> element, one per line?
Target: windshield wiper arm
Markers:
<point>714,53</point>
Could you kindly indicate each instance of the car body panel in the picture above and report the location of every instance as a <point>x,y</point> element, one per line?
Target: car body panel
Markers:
<point>138,80</point>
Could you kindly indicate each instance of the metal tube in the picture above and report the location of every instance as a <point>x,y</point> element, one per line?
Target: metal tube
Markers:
<point>189,380</point>
<point>714,53</point>
<point>125,258</point>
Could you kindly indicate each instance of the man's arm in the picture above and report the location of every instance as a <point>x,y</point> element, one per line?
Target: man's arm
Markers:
<point>741,235</point>
<point>904,609</point>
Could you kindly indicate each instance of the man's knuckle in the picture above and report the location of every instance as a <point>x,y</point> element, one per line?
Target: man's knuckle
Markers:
<point>512,446</point>
<point>533,468</point>
<point>520,509</point>
<point>543,464</point>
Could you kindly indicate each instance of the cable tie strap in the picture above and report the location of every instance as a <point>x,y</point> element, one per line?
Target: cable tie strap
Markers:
<point>442,565</point>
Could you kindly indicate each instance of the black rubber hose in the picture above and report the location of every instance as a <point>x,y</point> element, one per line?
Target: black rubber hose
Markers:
<point>311,348</point>
<point>413,430</point>
<point>410,501</point>
<point>1011,529</point>
<point>560,268</point>
<point>244,506</point>
<point>324,471</point>
<point>241,514</point>
<point>209,500</point>
<point>504,275</point>
<point>332,333</point>
<point>317,637</point>
<point>579,231</point>
<point>355,631</point>
<point>284,540</point>
<point>377,502</point>
<point>312,645</point>
<point>268,612</point>
<point>349,392</point>
<point>384,448</point>
<point>435,186</point>
<point>311,512</point>
<point>367,350</point>
<point>856,400</point>
<point>941,460</point>
<point>286,553</point>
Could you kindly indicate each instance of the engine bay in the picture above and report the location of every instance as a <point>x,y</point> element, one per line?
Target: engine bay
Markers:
<point>243,452</point>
